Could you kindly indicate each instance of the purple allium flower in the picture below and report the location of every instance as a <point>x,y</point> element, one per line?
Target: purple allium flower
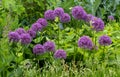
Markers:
<point>13,37</point>
<point>84,17</point>
<point>49,15</point>
<point>25,38</point>
<point>49,46</point>
<point>32,33</point>
<point>98,24</point>
<point>90,17</point>
<point>36,27</point>
<point>38,49</point>
<point>85,42</point>
<point>61,54</point>
<point>58,11</point>
<point>110,18</point>
<point>20,31</point>
<point>105,40</point>
<point>65,18</point>
<point>79,13</point>
<point>42,21</point>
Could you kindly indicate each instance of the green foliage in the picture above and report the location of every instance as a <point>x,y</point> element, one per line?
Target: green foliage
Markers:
<point>17,60</point>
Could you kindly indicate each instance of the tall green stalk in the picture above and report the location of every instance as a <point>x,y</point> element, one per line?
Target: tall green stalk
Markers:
<point>103,56</point>
<point>58,37</point>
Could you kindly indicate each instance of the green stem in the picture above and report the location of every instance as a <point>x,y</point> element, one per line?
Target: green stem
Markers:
<point>115,55</point>
<point>103,53</point>
<point>94,33</point>
<point>58,36</point>
<point>75,48</point>
<point>95,38</point>
<point>84,54</point>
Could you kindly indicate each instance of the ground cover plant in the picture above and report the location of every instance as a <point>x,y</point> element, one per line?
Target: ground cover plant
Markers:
<point>59,40</point>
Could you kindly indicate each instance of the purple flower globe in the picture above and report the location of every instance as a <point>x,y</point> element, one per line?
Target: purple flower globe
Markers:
<point>25,39</point>
<point>38,49</point>
<point>49,46</point>
<point>58,11</point>
<point>20,31</point>
<point>98,25</point>
<point>111,18</point>
<point>79,13</point>
<point>42,21</point>
<point>49,15</point>
<point>32,33</point>
<point>13,37</point>
<point>36,27</point>
<point>105,40</point>
<point>90,17</point>
<point>85,42</point>
<point>60,54</point>
<point>65,18</point>
<point>84,17</point>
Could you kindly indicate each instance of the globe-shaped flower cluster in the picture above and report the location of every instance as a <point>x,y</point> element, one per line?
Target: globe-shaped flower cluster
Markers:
<point>105,40</point>
<point>85,42</point>
<point>38,49</point>
<point>79,13</point>
<point>110,18</point>
<point>13,37</point>
<point>98,25</point>
<point>60,54</point>
<point>49,46</point>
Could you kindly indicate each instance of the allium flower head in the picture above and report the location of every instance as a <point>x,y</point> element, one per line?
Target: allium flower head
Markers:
<point>20,31</point>
<point>42,21</point>
<point>49,46</point>
<point>85,42</point>
<point>25,39</point>
<point>38,49</point>
<point>65,18</point>
<point>90,17</point>
<point>98,24</point>
<point>58,11</point>
<point>49,15</point>
<point>110,18</point>
<point>78,13</point>
<point>36,27</point>
<point>13,37</point>
<point>105,40</point>
<point>32,33</point>
<point>84,17</point>
<point>60,54</point>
